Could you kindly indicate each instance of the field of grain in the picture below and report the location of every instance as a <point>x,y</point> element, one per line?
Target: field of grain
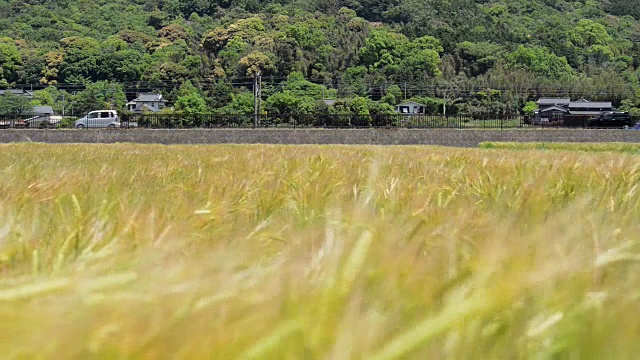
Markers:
<point>317,252</point>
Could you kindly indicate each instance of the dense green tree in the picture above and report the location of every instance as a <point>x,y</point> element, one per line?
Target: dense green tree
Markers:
<point>381,49</point>
<point>393,95</point>
<point>529,107</point>
<point>79,59</point>
<point>588,33</point>
<point>99,95</point>
<point>297,85</point>
<point>14,104</point>
<point>241,103</point>
<point>190,101</point>
<point>540,61</point>
<point>256,63</point>
<point>477,58</point>
<point>51,96</point>
<point>215,40</point>
<point>10,61</point>
<point>288,103</point>
<point>624,7</point>
<point>446,49</point>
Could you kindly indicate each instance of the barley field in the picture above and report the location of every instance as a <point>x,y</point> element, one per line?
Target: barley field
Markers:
<point>317,252</point>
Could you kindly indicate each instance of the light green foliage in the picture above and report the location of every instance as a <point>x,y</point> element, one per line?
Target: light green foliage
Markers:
<point>427,43</point>
<point>232,52</point>
<point>600,53</point>
<point>625,148</point>
<point>381,49</point>
<point>381,108</point>
<point>588,33</point>
<point>394,54</point>
<point>306,36</point>
<point>540,61</point>
<point>241,103</point>
<point>298,96</point>
<point>287,102</point>
<point>393,95</point>
<point>529,107</point>
<point>246,28</point>
<point>357,105</point>
<point>256,63</point>
<point>296,84</point>
<point>353,80</point>
<point>421,62</point>
<point>190,101</point>
<point>629,106</point>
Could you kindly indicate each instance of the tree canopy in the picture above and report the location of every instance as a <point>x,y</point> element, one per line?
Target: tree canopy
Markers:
<point>102,52</point>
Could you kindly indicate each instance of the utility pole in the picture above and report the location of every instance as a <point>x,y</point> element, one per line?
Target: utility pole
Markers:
<point>405,91</point>
<point>74,94</point>
<point>63,105</point>
<point>257,82</point>
<point>259,97</point>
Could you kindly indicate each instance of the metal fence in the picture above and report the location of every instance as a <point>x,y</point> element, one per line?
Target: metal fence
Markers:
<point>28,121</point>
<point>211,121</point>
<point>183,121</point>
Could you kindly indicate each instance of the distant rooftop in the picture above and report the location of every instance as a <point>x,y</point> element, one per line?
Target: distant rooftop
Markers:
<point>554,108</point>
<point>554,101</point>
<point>590,105</point>
<point>408,103</point>
<point>149,98</point>
<point>585,112</point>
<point>16,92</point>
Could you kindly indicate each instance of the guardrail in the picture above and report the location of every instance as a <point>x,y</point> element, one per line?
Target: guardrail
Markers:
<point>212,121</point>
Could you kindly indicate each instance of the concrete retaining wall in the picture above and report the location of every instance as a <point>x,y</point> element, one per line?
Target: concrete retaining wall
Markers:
<point>446,137</point>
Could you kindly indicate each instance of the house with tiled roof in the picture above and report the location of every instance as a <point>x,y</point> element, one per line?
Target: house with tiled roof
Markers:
<point>558,109</point>
<point>20,92</point>
<point>146,103</point>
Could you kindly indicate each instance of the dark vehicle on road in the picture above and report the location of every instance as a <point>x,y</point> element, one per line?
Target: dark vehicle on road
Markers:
<point>611,119</point>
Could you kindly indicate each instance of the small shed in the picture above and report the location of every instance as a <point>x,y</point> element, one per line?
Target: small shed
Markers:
<point>411,107</point>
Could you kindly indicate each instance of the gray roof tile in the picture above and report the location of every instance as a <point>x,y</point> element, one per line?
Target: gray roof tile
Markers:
<point>149,98</point>
<point>554,101</point>
<point>590,105</point>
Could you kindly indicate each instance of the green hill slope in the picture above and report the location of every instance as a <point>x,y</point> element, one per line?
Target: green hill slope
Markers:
<point>484,52</point>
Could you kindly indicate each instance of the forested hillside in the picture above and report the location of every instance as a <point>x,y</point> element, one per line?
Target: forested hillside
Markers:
<point>475,55</point>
